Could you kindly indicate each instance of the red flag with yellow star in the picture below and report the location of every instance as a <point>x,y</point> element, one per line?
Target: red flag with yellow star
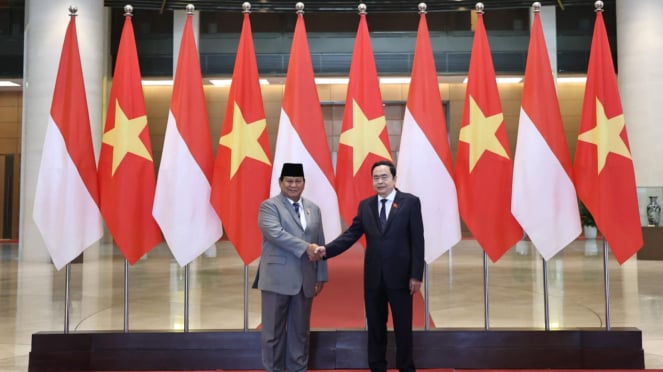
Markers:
<point>126,167</point>
<point>243,163</point>
<point>603,168</point>
<point>484,165</point>
<point>364,139</point>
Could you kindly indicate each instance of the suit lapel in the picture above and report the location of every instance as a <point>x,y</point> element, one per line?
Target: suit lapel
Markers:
<point>374,211</point>
<point>392,212</point>
<point>395,205</point>
<point>291,210</point>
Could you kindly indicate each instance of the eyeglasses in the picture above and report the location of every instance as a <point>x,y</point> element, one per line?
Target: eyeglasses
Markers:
<point>382,177</point>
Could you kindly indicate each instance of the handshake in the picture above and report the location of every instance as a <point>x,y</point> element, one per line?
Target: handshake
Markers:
<point>315,252</point>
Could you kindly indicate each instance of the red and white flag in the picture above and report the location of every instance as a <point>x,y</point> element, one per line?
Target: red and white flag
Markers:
<point>66,205</point>
<point>301,136</point>
<point>603,166</point>
<point>484,168</point>
<point>544,199</point>
<point>126,166</point>
<point>364,138</point>
<point>243,164</point>
<point>182,206</point>
<point>424,162</point>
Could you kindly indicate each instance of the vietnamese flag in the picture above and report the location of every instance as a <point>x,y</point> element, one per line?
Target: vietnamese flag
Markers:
<point>364,138</point>
<point>483,162</point>
<point>301,135</point>
<point>424,164</point>
<point>182,205</point>
<point>544,199</point>
<point>66,209</point>
<point>603,167</point>
<point>126,166</point>
<point>243,165</point>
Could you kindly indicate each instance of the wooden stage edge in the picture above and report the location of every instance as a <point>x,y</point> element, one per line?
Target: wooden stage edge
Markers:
<point>617,348</point>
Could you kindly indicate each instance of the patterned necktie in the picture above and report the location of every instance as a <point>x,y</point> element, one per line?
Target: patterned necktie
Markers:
<point>296,205</point>
<point>383,214</point>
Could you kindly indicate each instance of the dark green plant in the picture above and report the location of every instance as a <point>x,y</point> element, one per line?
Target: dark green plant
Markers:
<point>585,216</point>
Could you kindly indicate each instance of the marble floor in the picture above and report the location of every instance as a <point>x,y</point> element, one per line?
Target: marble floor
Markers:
<point>32,294</point>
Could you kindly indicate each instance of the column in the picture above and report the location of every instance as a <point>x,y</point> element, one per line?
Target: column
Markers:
<point>179,18</point>
<point>45,26</point>
<point>640,79</point>
<point>548,18</point>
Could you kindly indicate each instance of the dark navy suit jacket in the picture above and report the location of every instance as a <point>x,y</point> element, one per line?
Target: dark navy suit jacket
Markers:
<point>397,253</point>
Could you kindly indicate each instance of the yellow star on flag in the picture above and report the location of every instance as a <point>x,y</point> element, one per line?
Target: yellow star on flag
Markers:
<point>480,134</point>
<point>125,137</point>
<point>606,136</point>
<point>364,137</point>
<point>243,140</point>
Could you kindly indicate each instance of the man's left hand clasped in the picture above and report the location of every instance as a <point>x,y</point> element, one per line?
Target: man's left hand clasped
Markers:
<point>315,252</point>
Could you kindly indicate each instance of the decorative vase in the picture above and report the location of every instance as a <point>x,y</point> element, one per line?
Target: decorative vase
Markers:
<point>653,211</point>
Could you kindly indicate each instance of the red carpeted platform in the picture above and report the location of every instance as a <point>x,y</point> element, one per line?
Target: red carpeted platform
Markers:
<point>447,370</point>
<point>341,304</point>
<point>339,342</point>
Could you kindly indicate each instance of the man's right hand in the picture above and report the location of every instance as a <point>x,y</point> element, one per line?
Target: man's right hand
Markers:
<point>315,252</point>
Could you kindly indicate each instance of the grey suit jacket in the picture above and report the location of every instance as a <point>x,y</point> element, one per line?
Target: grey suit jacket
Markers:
<point>284,265</point>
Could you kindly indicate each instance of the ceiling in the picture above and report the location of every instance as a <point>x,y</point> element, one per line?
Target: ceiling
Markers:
<point>335,6</point>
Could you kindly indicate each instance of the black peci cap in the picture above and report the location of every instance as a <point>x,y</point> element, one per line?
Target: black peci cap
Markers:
<point>292,170</point>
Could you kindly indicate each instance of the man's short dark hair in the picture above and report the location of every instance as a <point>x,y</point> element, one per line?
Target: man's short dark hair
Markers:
<point>392,167</point>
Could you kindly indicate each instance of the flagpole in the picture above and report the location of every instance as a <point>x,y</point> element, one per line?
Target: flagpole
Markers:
<point>546,305</point>
<point>66,297</point>
<point>426,297</point>
<point>606,284</point>
<point>246,298</point>
<point>486,311</point>
<point>186,298</point>
<point>126,295</point>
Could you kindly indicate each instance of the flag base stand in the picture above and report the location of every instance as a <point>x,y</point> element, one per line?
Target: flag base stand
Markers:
<point>619,348</point>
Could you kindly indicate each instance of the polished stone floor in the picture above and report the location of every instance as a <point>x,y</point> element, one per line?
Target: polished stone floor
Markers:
<point>32,295</point>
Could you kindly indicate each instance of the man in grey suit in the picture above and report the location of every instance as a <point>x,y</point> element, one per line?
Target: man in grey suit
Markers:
<point>288,275</point>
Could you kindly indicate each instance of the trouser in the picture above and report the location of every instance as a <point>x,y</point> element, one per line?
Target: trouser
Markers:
<point>285,331</point>
<point>376,302</point>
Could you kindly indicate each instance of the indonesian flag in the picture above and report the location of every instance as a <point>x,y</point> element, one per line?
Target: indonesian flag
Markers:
<point>483,163</point>
<point>604,173</point>
<point>364,139</point>
<point>424,163</point>
<point>66,209</point>
<point>243,165</point>
<point>126,167</point>
<point>182,205</point>
<point>543,200</point>
<point>301,136</point>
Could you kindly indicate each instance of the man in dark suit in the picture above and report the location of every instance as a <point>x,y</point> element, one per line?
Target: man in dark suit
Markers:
<point>393,263</point>
<point>287,275</point>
